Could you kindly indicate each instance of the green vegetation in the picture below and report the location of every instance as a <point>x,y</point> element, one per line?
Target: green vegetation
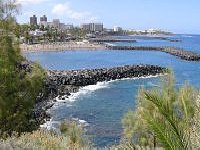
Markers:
<point>20,82</point>
<point>71,137</point>
<point>166,117</point>
<point>52,34</point>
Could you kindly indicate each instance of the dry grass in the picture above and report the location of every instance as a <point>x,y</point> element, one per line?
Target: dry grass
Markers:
<point>43,139</point>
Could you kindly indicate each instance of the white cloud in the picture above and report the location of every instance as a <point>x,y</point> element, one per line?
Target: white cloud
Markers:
<point>25,2</point>
<point>66,10</point>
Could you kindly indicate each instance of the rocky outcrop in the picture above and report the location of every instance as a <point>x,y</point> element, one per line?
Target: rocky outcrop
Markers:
<point>111,40</point>
<point>66,82</point>
<point>62,83</point>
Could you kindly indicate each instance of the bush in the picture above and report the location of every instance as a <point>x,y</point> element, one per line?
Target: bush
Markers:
<point>20,82</point>
<point>43,139</point>
<point>167,117</point>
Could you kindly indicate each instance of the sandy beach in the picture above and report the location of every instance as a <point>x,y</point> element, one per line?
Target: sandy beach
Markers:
<point>60,46</point>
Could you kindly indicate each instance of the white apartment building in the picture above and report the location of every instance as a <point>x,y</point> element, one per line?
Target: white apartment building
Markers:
<point>43,23</point>
<point>92,26</point>
<point>37,33</point>
<point>117,29</point>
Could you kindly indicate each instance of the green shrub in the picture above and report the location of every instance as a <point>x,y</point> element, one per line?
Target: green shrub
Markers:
<point>71,138</point>
<point>18,87</point>
<point>165,117</point>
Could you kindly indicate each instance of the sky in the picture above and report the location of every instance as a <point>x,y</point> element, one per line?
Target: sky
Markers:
<point>178,16</point>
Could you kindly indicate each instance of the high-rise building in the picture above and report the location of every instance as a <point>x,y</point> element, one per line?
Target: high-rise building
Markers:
<point>97,26</point>
<point>85,26</point>
<point>69,26</point>
<point>56,23</point>
<point>43,21</point>
<point>117,29</point>
<point>43,18</point>
<point>62,26</point>
<point>33,20</point>
<point>92,26</point>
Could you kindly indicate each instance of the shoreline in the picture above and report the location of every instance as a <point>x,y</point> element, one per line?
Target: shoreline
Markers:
<point>60,47</point>
<point>100,83</point>
<point>55,102</point>
<point>61,85</point>
<point>67,46</point>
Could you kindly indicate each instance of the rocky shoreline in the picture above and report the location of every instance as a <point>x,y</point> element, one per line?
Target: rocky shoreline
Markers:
<point>63,83</point>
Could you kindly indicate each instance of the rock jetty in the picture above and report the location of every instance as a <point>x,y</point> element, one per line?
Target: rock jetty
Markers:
<point>66,82</point>
<point>182,54</point>
<point>60,84</point>
<point>111,40</point>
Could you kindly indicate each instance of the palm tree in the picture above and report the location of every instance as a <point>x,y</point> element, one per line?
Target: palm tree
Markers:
<point>165,117</point>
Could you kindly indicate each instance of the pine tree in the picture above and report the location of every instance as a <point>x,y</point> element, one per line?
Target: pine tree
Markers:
<point>20,82</point>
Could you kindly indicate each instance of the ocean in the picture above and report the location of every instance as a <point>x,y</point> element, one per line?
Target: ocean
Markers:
<point>101,107</point>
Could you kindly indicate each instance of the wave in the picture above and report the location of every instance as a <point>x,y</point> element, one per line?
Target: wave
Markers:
<point>54,125</point>
<point>49,125</point>
<point>82,91</point>
<point>137,78</point>
<point>91,88</point>
<point>83,123</point>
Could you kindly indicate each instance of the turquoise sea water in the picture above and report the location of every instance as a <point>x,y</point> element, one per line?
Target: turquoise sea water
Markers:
<point>101,107</point>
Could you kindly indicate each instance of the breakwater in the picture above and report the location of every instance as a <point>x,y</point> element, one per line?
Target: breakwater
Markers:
<point>182,54</point>
<point>59,85</point>
<point>110,40</point>
<point>66,82</point>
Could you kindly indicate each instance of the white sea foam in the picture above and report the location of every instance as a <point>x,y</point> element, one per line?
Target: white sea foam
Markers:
<point>54,125</point>
<point>49,125</point>
<point>83,123</point>
<point>85,90</point>
<point>82,91</point>
<point>91,88</point>
<point>136,78</point>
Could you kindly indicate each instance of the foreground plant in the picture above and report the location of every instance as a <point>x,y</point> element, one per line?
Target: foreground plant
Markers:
<point>71,137</point>
<point>20,82</point>
<point>167,117</point>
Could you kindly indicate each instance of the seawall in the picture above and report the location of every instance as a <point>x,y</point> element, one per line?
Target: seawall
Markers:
<point>180,53</point>
<point>61,84</point>
<point>66,82</point>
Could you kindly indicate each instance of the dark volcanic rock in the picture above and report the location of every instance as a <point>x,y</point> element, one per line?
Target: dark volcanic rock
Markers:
<point>66,82</point>
<point>62,83</point>
<point>182,54</point>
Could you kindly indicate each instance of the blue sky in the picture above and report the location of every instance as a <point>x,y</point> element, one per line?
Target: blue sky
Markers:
<point>179,16</point>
